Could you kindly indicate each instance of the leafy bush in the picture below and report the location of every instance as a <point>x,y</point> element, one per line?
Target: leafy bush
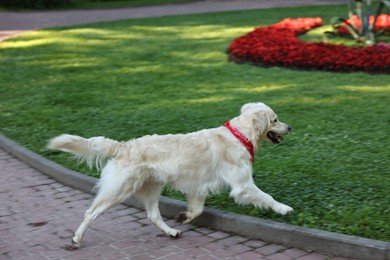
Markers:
<point>362,21</point>
<point>33,4</point>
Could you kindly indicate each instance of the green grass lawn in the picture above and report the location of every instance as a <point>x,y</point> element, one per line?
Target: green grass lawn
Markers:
<point>171,75</point>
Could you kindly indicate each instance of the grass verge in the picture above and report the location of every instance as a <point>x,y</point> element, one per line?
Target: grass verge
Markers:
<point>170,75</point>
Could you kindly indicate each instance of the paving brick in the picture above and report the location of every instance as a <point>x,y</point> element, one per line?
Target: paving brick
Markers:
<point>313,256</point>
<point>144,256</point>
<point>164,251</point>
<point>239,248</point>
<point>250,255</point>
<point>191,234</point>
<point>121,245</point>
<point>255,243</point>
<point>279,256</point>
<point>294,252</point>
<point>223,253</point>
<point>4,226</point>
<point>140,215</point>
<point>203,230</point>
<point>187,229</point>
<point>213,246</point>
<point>232,240</point>
<point>199,241</point>
<point>127,218</point>
<point>17,253</point>
<point>186,243</point>
<point>36,250</point>
<point>135,250</point>
<point>118,212</point>
<point>206,257</point>
<point>178,256</point>
<point>218,235</point>
<point>270,249</point>
<point>107,253</point>
<point>196,252</point>
<point>41,239</point>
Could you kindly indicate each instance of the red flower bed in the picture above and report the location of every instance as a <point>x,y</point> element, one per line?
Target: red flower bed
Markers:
<point>382,23</point>
<point>278,45</point>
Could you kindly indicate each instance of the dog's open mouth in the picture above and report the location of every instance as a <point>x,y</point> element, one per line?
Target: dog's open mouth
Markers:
<point>274,137</point>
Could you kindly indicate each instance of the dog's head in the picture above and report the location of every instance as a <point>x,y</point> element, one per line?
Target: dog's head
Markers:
<point>265,122</point>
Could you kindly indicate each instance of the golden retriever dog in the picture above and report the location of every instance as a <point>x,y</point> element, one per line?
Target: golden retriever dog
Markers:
<point>195,164</point>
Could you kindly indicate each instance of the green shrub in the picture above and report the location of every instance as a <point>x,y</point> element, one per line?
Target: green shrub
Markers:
<point>362,21</point>
<point>33,4</point>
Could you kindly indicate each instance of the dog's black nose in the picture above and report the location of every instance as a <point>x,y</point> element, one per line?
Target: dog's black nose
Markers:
<point>289,128</point>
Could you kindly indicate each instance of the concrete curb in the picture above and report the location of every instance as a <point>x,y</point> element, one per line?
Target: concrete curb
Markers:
<point>289,235</point>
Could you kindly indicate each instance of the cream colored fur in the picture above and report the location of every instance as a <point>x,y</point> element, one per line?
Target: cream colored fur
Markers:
<point>196,164</point>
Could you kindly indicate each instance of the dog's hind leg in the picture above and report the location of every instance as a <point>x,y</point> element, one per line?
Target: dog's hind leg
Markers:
<point>150,194</point>
<point>111,192</point>
<point>102,203</point>
<point>195,208</point>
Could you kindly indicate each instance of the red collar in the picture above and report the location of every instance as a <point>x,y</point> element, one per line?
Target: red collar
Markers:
<point>242,138</point>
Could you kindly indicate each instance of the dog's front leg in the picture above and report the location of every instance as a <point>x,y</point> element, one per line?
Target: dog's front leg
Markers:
<point>250,194</point>
<point>195,208</point>
<point>244,191</point>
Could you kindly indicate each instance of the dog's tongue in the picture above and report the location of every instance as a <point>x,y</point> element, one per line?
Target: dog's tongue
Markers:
<point>275,137</point>
<point>278,137</point>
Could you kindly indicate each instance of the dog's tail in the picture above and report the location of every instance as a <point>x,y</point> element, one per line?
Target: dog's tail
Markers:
<point>93,150</point>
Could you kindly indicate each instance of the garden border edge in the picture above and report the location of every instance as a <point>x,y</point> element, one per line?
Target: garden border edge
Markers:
<point>255,228</point>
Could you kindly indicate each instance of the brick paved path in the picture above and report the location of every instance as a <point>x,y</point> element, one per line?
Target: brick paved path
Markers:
<point>38,216</point>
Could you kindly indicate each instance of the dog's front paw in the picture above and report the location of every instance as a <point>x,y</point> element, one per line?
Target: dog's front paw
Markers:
<point>72,247</point>
<point>282,209</point>
<point>175,233</point>
<point>182,217</point>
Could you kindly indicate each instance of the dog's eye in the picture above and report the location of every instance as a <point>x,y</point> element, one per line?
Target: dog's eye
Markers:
<point>276,120</point>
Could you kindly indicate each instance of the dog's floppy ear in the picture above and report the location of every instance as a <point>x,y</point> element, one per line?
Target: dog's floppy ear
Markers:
<point>257,116</point>
<point>247,106</point>
<point>261,121</point>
